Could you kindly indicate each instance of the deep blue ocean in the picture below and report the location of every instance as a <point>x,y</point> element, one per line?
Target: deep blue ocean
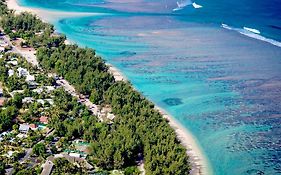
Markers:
<point>216,69</point>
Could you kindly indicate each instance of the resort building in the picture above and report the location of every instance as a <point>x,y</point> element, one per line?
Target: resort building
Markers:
<point>24,128</point>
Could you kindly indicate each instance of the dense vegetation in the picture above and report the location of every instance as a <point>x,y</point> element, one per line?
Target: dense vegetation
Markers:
<point>81,67</point>
<point>63,166</point>
<point>138,130</point>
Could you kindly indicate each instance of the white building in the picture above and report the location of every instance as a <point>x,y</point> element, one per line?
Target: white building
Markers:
<point>11,72</point>
<point>49,88</point>
<point>110,116</point>
<point>50,101</point>
<point>1,92</point>
<point>74,155</point>
<point>38,90</point>
<point>27,100</point>
<point>29,78</point>
<point>2,49</point>
<point>14,63</point>
<point>41,101</point>
<point>24,128</point>
<point>16,91</point>
<point>22,72</point>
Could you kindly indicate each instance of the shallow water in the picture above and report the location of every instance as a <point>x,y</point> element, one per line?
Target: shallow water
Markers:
<point>221,85</point>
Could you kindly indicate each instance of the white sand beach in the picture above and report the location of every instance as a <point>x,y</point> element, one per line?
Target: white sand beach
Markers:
<point>198,160</point>
<point>45,15</point>
<point>118,76</point>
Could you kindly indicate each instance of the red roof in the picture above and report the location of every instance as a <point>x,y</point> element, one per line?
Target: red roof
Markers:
<point>33,126</point>
<point>43,119</point>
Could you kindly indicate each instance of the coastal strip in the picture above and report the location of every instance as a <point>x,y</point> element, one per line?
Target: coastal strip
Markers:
<point>196,157</point>
<point>46,15</point>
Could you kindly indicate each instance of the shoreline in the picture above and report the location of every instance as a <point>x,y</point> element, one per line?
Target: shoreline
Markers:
<point>117,74</point>
<point>199,163</point>
<point>46,15</point>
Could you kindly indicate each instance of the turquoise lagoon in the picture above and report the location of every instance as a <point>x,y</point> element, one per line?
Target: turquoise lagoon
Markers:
<point>222,86</point>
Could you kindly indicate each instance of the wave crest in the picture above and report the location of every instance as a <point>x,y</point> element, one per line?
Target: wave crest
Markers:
<point>253,33</point>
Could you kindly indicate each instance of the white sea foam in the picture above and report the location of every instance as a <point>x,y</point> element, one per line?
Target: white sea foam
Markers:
<point>226,26</point>
<point>252,30</point>
<point>253,33</point>
<point>176,9</point>
<point>197,6</point>
<point>182,4</point>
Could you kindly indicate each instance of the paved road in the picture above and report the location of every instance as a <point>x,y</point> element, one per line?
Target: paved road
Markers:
<point>70,89</point>
<point>28,55</point>
<point>27,155</point>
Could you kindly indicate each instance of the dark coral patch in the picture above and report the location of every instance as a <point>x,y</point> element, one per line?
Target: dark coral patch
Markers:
<point>128,53</point>
<point>173,101</point>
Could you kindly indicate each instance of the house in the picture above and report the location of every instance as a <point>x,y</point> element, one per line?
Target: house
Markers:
<point>102,113</point>
<point>2,101</point>
<point>2,135</point>
<point>3,44</point>
<point>32,84</point>
<point>41,101</point>
<point>110,116</point>
<point>38,90</point>
<point>27,100</point>
<point>11,72</point>
<point>14,63</point>
<point>2,49</point>
<point>94,109</point>
<point>77,155</point>
<point>16,92</point>
<point>29,78</point>
<point>1,92</point>
<point>33,126</point>
<point>39,33</point>
<point>24,128</point>
<point>22,72</point>
<point>49,88</point>
<point>50,101</point>
<point>10,153</point>
<point>44,120</point>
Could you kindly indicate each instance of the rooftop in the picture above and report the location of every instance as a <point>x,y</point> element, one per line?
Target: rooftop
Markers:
<point>24,127</point>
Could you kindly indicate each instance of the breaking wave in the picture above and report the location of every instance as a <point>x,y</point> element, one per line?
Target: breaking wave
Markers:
<point>183,4</point>
<point>253,33</point>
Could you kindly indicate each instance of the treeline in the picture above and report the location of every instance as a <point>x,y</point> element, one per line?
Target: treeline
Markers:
<point>81,67</point>
<point>163,153</point>
<point>32,30</point>
<point>138,130</point>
